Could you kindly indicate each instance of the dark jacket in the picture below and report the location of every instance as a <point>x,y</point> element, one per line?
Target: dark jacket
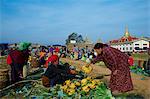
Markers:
<point>53,71</point>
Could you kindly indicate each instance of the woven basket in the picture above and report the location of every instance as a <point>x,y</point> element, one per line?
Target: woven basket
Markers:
<point>4,78</point>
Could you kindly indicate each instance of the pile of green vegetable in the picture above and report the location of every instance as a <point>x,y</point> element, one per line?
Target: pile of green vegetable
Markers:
<point>139,71</point>
<point>79,88</point>
<point>99,92</point>
<point>71,89</point>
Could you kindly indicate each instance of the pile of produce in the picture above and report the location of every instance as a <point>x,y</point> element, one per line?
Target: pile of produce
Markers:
<point>139,71</point>
<point>87,69</point>
<point>77,88</point>
<point>85,88</point>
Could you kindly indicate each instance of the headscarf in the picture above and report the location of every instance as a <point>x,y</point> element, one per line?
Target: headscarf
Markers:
<point>24,45</point>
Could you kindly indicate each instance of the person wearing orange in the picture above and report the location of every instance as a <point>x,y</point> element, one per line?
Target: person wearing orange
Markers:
<point>42,53</point>
<point>42,57</point>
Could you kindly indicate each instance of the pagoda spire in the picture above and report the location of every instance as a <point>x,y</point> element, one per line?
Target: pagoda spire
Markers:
<point>87,40</point>
<point>127,34</point>
<point>99,41</point>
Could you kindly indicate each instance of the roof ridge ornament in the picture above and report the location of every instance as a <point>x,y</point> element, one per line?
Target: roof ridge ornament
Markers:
<point>127,34</point>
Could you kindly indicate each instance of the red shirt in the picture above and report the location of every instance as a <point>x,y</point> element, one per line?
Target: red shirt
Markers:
<point>51,59</point>
<point>17,56</point>
<point>131,61</point>
<point>9,60</point>
<point>47,61</point>
<point>57,49</point>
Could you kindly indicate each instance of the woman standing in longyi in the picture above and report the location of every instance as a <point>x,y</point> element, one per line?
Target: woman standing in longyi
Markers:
<point>117,62</point>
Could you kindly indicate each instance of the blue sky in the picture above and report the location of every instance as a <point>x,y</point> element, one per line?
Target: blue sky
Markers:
<point>51,21</point>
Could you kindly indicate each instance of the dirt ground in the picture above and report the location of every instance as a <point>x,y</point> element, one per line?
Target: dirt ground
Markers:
<point>141,87</point>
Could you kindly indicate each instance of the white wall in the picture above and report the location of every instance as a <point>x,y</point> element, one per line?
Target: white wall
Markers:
<point>72,41</point>
<point>141,44</point>
<point>124,47</point>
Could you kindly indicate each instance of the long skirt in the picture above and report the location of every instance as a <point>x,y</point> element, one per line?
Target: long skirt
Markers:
<point>121,81</point>
<point>16,72</point>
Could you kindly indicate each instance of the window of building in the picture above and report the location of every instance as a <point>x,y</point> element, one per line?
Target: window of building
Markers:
<point>137,48</point>
<point>144,44</point>
<point>136,44</point>
<point>126,48</point>
<point>123,48</point>
<point>120,48</point>
<point>130,48</point>
<point>144,48</point>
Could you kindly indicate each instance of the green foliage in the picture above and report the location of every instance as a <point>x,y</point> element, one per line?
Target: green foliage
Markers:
<point>138,71</point>
<point>102,92</point>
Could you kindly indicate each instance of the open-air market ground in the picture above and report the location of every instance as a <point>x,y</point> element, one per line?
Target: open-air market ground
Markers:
<point>141,83</point>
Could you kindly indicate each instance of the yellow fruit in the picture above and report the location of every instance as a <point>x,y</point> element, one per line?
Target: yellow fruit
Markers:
<point>92,86</point>
<point>70,91</point>
<point>86,89</point>
<point>83,81</point>
<point>94,82</point>
<point>83,68</point>
<point>72,85</point>
<point>89,79</point>
<point>64,87</point>
<point>77,83</point>
<point>67,82</point>
<point>87,69</point>
<point>88,85</point>
<point>100,82</point>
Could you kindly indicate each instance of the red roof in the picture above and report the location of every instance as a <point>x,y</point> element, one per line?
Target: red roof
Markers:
<point>124,39</point>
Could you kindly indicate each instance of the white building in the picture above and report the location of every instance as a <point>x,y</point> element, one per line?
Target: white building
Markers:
<point>73,41</point>
<point>141,44</point>
<point>128,43</point>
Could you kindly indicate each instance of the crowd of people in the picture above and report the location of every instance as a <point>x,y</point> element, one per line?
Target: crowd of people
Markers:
<point>21,57</point>
<point>55,73</point>
<point>85,54</point>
